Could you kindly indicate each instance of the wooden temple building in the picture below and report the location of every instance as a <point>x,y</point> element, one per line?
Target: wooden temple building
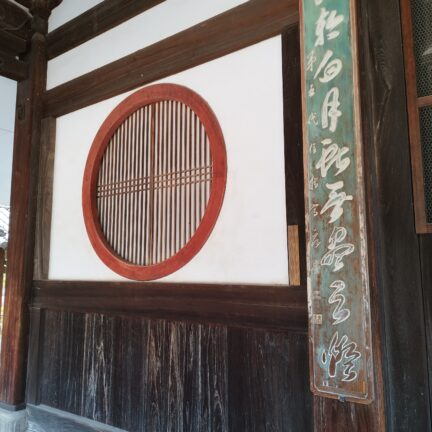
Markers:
<point>220,216</point>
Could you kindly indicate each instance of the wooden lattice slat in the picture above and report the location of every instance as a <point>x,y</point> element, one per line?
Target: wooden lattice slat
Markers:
<point>154,181</point>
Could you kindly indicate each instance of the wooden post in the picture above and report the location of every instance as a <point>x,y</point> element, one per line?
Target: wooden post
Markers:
<point>22,225</point>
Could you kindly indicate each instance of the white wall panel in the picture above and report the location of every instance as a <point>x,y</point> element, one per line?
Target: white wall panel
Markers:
<point>145,29</point>
<point>7,123</point>
<point>248,244</point>
<point>68,10</point>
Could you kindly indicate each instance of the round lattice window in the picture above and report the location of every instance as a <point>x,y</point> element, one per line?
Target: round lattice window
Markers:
<point>154,182</point>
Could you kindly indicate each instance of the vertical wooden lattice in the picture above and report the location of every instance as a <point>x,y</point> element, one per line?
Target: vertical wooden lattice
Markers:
<point>154,182</point>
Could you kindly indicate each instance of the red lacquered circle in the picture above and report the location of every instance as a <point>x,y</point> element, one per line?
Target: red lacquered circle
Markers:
<point>154,182</point>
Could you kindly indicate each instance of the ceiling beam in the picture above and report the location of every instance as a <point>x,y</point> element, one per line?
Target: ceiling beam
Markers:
<point>95,21</point>
<point>12,68</point>
<point>245,25</point>
<point>14,19</point>
<point>12,44</point>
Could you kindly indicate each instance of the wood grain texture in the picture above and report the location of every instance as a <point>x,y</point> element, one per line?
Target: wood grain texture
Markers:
<point>12,68</point>
<point>293,140</point>
<point>93,22</point>
<point>21,229</point>
<point>396,279</point>
<point>269,382</point>
<point>136,374</point>
<point>245,25</point>
<point>44,198</point>
<point>14,19</point>
<point>152,375</point>
<point>263,306</point>
<point>11,44</point>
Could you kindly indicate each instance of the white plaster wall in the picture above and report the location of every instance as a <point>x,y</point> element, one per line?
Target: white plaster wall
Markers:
<point>7,123</point>
<point>145,29</point>
<point>248,243</point>
<point>68,10</point>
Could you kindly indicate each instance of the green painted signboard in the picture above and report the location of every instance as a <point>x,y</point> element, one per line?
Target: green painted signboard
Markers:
<point>338,280</point>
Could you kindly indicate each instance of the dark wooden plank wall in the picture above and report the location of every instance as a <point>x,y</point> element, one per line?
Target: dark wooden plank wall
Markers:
<point>158,375</point>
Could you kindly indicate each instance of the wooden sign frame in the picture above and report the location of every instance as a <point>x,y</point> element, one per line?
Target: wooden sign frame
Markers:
<point>338,279</point>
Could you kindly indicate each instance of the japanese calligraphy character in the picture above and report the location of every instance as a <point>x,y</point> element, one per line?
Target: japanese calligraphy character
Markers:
<point>336,200</point>
<point>313,119</point>
<point>332,154</point>
<point>310,61</point>
<point>337,249</point>
<point>330,110</point>
<point>340,314</point>
<point>314,209</point>
<point>313,183</point>
<point>311,91</point>
<point>344,352</point>
<point>327,22</point>
<point>331,68</point>
<point>312,148</point>
<point>315,239</point>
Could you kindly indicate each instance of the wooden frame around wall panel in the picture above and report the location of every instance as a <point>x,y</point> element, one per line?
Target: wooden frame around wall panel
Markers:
<point>279,307</point>
<point>240,27</point>
<point>414,104</point>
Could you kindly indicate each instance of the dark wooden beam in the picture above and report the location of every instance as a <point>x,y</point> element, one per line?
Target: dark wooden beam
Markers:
<point>25,3</point>
<point>12,68</point>
<point>277,307</point>
<point>97,20</point>
<point>12,44</point>
<point>23,205</point>
<point>15,19</point>
<point>235,29</point>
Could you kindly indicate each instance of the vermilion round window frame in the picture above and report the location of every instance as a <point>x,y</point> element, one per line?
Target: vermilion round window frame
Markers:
<point>139,99</point>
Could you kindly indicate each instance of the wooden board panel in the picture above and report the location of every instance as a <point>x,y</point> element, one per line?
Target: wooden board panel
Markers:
<point>266,372</point>
<point>140,375</point>
<point>136,374</point>
<point>338,278</point>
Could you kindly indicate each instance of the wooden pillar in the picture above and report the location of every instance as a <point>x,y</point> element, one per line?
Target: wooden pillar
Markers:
<point>22,223</point>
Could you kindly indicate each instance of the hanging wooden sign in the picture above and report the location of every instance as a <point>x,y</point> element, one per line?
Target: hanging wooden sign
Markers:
<point>338,280</point>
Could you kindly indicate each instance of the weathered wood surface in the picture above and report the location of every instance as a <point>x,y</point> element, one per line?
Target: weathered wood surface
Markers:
<point>23,209</point>
<point>396,296</point>
<point>268,382</point>
<point>338,274</point>
<point>12,68</point>
<point>148,375</point>
<point>44,198</point>
<point>249,23</point>
<point>277,307</point>
<point>12,44</point>
<point>14,19</point>
<point>143,375</point>
<point>93,22</point>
